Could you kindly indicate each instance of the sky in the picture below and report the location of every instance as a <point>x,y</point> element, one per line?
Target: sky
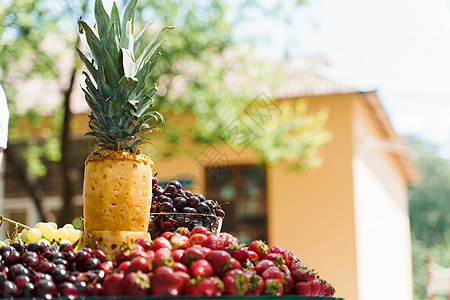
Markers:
<point>399,47</point>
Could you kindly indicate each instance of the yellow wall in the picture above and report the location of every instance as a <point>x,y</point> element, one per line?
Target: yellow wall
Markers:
<point>311,213</point>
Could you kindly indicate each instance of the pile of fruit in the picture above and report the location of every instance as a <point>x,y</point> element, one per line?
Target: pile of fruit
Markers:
<point>177,263</point>
<point>172,207</point>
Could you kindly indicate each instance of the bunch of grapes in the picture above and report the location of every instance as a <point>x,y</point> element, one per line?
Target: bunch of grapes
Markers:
<point>171,201</point>
<point>42,270</point>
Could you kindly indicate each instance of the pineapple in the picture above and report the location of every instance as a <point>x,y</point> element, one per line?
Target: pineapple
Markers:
<point>117,184</point>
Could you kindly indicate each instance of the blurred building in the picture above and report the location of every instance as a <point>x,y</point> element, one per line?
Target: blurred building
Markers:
<point>348,218</point>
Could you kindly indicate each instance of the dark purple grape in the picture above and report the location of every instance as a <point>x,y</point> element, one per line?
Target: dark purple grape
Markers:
<point>21,280</point>
<point>20,247</point>
<point>203,208</point>
<point>164,198</point>
<point>200,196</point>
<point>192,201</point>
<point>65,248</point>
<point>165,207</point>
<point>59,275</point>
<point>45,289</point>
<point>6,248</point>
<point>220,213</point>
<point>92,263</point>
<point>175,183</point>
<point>189,210</point>
<point>158,191</point>
<point>67,289</point>
<point>8,289</point>
<point>153,208</point>
<point>18,270</point>
<point>179,203</point>
<point>188,193</point>
<point>155,181</point>
<point>37,247</point>
<point>10,257</point>
<point>45,267</point>
<point>171,190</point>
<point>26,291</point>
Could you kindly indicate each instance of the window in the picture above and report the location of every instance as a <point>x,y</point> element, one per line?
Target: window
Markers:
<point>241,191</point>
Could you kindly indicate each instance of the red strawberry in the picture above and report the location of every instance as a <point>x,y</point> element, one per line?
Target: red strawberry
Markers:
<point>197,239</point>
<point>235,282</point>
<point>149,255</point>
<point>107,266</point>
<point>200,286</point>
<point>192,254</point>
<point>315,287</point>
<point>135,284</point>
<point>248,265</point>
<point>139,264</point>
<point>205,250</point>
<point>328,289</point>
<point>167,235</point>
<point>256,284</point>
<point>200,229</point>
<point>253,256</point>
<point>112,283</point>
<point>166,282</point>
<point>214,242</point>
<point>179,241</point>
<point>163,257</point>
<point>302,272</point>
<point>183,231</point>
<point>180,267</point>
<point>238,252</point>
<point>221,261</point>
<point>124,265</point>
<point>263,265</point>
<point>125,251</point>
<point>272,273</point>
<point>277,258</point>
<point>288,256</point>
<point>201,268</point>
<point>303,288</point>
<point>273,287</point>
<point>178,255</point>
<point>161,242</point>
<point>228,239</point>
<point>288,283</point>
<point>260,248</point>
<point>145,242</point>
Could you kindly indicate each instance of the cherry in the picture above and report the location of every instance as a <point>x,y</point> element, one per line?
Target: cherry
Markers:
<point>61,263</point>
<point>10,257</point>
<point>175,183</point>
<point>65,248</point>
<point>179,203</point>
<point>19,247</point>
<point>60,275</point>
<point>26,290</point>
<point>37,247</point>
<point>52,256</point>
<point>165,207</point>
<point>171,190</point>
<point>220,213</point>
<point>21,280</point>
<point>6,248</point>
<point>164,198</point>
<point>155,181</point>
<point>158,191</point>
<point>153,208</point>
<point>92,263</point>
<point>8,289</point>
<point>18,270</point>
<point>192,201</point>
<point>67,289</point>
<point>45,267</point>
<point>203,208</point>
<point>188,193</point>
<point>201,197</point>
<point>45,288</point>
<point>189,210</point>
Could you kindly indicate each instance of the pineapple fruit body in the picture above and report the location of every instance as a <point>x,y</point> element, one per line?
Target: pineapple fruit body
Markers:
<point>117,193</point>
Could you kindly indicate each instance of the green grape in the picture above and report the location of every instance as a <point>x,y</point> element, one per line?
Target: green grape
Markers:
<point>7,241</point>
<point>47,231</point>
<point>68,226</point>
<point>34,235</point>
<point>61,233</point>
<point>38,224</point>
<point>54,225</point>
<point>24,235</point>
<point>65,241</point>
<point>2,243</point>
<point>74,235</point>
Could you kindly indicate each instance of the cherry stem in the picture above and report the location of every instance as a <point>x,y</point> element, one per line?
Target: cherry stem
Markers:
<point>17,224</point>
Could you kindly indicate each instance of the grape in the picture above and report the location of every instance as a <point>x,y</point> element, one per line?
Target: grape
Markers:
<point>68,226</point>
<point>53,224</point>
<point>47,231</point>
<point>45,242</point>
<point>34,235</point>
<point>61,233</point>
<point>2,243</point>
<point>74,234</point>
<point>38,224</point>
<point>65,241</point>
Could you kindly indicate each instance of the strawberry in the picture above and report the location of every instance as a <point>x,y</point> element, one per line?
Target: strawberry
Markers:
<point>163,257</point>
<point>228,239</point>
<point>235,282</point>
<point>183,231</point>
<point>200,229</point>
<point>303,288</point>
<point>125,251</point>
<point>139,264</point>
<point>124,265</point>
<point>149,255</point>
<point>302,272</point>
<point>315,286</point>
<point>328,289</point>
<point>201,286</point>
<point>178,255</point>
<point>248,265</point>
<point>112,283</point>
<point>161,242</point>
<point>135,284</point>
<point>192,254</point>
<point>180,267</point>
<point>179,241</point>
<point>221,261</point>
<point>260,248</point>
<point>288,256</point>
<point>205,250</point>
<point>277,258</point>
<point>256,284</point>
<point>238,252</point>
<point>253,256</point>
<point>166,282</point>
<point>272,273</point>
<point>197,239</point>
<point>213,242</point>
<point>167,235</point>
<point>145,242</point>
<point>137,253</point>
<point>201,268</point>
<point>273,287</point>
<point>106,266</point>
<point>263,265</point>
<point>288,283</point>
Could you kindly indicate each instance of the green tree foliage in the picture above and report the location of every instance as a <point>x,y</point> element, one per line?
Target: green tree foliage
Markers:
<point>429,208</point>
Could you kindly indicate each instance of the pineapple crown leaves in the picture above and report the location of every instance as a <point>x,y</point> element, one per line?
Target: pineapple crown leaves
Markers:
<point>116,78</point>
